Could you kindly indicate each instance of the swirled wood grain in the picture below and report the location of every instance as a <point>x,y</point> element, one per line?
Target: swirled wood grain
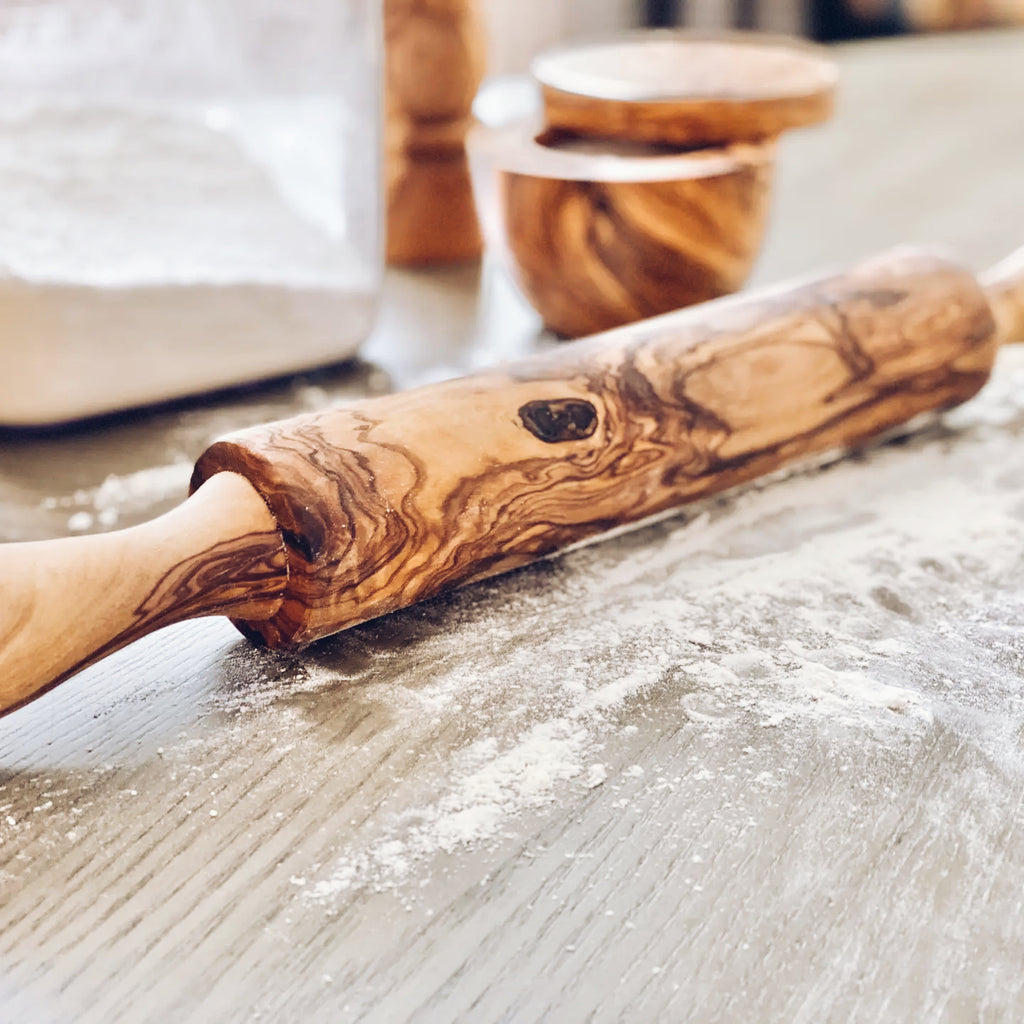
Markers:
<point>404,496</point>
<point>434,63</point>
<point>603,237</point>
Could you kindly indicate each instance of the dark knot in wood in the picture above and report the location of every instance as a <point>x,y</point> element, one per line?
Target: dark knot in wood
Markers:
<point>561,419</point>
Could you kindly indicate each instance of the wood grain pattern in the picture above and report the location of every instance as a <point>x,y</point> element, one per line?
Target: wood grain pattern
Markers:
<point>601,238</point>
<point>402,497</point>
<point>684,89</point>
<point>434,63</point>
<point>69,603</point>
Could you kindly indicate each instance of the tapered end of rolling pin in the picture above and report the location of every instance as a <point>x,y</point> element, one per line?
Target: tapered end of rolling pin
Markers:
<point>65,604</point>
<point>1004,286</point>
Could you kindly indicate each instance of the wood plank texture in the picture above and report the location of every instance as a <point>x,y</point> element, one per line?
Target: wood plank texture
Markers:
<point>764,761</point>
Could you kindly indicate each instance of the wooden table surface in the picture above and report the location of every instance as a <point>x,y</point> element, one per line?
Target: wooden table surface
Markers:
<point>763,761</point>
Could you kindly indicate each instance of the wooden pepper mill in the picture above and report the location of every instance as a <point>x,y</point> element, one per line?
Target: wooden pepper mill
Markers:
<point>434,63</point>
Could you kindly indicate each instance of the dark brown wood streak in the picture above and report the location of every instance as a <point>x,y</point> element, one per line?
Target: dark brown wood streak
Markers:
<point>560,419</point>
<point>421,491</point>
<point>224,578</point>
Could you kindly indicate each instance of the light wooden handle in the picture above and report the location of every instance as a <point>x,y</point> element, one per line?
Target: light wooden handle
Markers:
<point>1004,286</point>
<point>406,496</point>
<point>65,604</point>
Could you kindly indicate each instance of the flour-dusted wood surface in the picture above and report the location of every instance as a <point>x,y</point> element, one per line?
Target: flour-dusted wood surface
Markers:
<point>764,761</point>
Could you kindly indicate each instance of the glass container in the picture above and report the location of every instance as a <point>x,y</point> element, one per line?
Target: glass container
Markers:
<point>189,196</point>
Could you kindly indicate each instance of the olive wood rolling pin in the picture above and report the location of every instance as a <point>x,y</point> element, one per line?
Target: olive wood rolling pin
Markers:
<point>301,528</point>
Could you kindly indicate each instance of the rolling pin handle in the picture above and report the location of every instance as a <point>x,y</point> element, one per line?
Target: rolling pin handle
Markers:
<point>219,553</point>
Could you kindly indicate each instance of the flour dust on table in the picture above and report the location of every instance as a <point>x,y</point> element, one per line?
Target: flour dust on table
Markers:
<point>864,605</point>
<point>847,600</point>
<point>127,494</point>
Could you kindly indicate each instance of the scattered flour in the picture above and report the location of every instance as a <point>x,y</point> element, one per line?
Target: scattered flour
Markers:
<point>489,787</point>
<point>840,599</point>
<point>874,599</point>
<point>124,496</point>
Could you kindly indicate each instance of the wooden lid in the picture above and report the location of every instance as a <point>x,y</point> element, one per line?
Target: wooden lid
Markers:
<point>521,148</point>
<point>684,89</point>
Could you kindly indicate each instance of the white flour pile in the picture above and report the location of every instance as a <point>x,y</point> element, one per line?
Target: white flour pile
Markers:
<point>147,252</point>
<point>123,197</point>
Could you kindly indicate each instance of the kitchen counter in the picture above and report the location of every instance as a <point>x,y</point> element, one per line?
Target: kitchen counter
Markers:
<point>763,760</point>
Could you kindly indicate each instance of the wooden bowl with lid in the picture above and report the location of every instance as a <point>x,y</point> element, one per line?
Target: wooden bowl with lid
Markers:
<point>646,184</point>
<point>600,233</point>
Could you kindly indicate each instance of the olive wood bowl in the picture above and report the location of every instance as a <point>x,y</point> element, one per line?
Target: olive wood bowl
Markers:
<point>599,233</point>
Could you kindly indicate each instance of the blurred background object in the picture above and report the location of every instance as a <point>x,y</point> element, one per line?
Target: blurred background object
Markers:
<point>185,183</point>
<point>435,61</point>
<point>189,196</point>
<point>847,19</point>
<point>519,29</point>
